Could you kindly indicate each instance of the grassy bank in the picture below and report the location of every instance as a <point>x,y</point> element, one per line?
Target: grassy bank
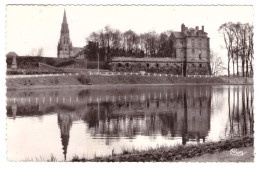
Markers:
<point>171,154</point>
<point>81,80</point>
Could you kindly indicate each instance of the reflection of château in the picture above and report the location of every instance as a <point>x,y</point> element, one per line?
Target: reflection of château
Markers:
<point>181,115</point>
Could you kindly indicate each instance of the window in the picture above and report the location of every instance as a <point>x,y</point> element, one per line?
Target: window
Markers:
<point>182,43</point>
<point>147,65</point>
<point>193,65</point>
<point>200,65</point>
<point>157,65</point>
<point>119,64</point>
<point>127,64</point>
<point>200,43</point>
<point>193,51</point>
<point>192,43</point>
<point>199,54</point>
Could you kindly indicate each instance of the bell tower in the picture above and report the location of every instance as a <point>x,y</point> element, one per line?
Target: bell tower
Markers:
<point>64,49</point>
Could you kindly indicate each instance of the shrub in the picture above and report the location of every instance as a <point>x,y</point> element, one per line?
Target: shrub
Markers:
<point>65,63</point>
<point>50,61</point>
<point>83,79</point>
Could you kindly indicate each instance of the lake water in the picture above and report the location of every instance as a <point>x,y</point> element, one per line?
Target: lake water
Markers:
<point>99,120</point>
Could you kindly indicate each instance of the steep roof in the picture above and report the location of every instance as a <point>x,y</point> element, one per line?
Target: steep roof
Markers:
<point>76,50</point>
<point>178,34</point>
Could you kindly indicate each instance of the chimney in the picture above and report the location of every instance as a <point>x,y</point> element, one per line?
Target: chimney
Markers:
<point>182,27</point>
<point>202,28</point>
<point>197,28</point>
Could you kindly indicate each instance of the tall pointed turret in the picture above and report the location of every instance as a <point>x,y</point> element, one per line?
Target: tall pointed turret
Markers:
<point>64,46</point>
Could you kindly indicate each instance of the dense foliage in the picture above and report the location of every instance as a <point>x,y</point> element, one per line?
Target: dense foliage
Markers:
<point>113,42</point>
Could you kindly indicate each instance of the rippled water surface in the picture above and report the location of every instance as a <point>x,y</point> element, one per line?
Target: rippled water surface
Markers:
<point>95,121</point>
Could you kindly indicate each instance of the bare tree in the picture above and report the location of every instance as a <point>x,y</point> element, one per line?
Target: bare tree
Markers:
<point>40,52</point>
<point>238,40</point>
<point>251,49</point>
<point>228,35</point>
<point>33,52</point>
<point>216,63</point>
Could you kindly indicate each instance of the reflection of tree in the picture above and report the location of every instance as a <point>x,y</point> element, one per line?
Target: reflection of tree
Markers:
<point>169,122</point>
<point>83,93</point>
<point>24,110</point>
<point>238,126</point>
<point>184,123</point>
<point>240,117</point>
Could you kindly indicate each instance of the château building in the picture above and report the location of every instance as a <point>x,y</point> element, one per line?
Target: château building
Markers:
<point>190,56</point>
<point>192,47</point>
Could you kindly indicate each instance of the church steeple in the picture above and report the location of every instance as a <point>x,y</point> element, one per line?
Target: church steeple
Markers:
<point>64,48</point>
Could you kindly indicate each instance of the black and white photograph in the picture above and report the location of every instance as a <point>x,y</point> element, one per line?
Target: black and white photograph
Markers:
<point>129,83</point>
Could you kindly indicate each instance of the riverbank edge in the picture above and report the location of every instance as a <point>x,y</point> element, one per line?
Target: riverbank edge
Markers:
<point>172,154</point>
<point>87,81</point>
<point>102,85</point>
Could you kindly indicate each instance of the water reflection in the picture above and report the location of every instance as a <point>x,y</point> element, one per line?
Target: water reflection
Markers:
<point>241,117</point>
<point>180,113</point>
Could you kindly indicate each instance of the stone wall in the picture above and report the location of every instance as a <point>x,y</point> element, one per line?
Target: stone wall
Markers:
<point>31,62</point>
<point>158,65</point>
<point>49,68</point>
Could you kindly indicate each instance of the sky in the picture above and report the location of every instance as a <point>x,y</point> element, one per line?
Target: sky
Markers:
<point>32,27</point>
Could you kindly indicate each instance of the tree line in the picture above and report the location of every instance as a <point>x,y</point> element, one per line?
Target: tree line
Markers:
<point>113,42</point>
<point>239,44</point>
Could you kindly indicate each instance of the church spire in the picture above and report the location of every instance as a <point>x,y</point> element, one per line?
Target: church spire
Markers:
<point>64,17</point>
<point>64,26</point>
<point>65,123</point>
